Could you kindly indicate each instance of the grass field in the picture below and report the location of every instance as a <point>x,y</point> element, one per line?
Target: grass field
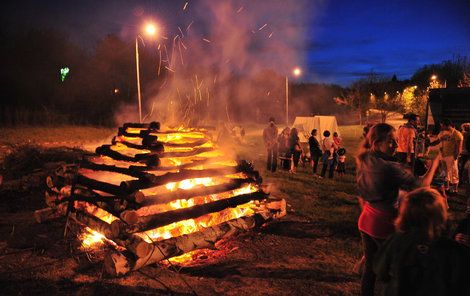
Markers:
<point>310,252</point>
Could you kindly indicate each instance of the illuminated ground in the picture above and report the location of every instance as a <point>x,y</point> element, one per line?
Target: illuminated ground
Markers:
<point>310,252</point>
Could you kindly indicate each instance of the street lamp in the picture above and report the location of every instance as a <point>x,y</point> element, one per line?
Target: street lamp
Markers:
<point>150,30</point>
<point>296,72</point>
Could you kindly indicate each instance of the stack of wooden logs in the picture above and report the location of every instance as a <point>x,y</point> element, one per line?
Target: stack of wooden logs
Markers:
<point>122,193</point>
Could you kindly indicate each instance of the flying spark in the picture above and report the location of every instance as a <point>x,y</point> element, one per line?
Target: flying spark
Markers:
<point>190,24</point>
<point>185,5</point>
<point>262,27</point>
<point>169,69</point>
<point>207,40</point>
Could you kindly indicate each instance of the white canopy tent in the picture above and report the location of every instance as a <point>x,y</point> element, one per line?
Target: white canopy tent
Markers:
<point>305,125</point>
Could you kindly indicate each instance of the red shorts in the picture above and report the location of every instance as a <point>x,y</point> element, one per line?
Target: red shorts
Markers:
<point>376,223</point>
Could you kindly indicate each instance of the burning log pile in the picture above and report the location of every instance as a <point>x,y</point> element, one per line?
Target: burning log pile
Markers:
<point>153,194</point>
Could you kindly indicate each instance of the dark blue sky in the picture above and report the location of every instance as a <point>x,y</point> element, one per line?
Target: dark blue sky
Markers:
<point>351,38</point>
<point>341,40</point>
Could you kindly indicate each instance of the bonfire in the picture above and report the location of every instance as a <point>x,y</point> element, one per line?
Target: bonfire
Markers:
<point>155,194</point>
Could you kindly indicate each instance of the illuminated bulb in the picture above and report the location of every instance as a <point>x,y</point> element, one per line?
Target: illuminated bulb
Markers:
<point>150,29</point>
<point>297,72</point>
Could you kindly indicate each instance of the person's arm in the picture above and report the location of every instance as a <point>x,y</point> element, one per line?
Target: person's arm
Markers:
<point>458,149</point>
<point>426,179</point>
<point>436,142</point>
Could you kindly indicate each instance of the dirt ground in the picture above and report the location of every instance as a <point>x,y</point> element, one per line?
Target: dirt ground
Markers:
<point>311,251</point>
<point>292,256</point>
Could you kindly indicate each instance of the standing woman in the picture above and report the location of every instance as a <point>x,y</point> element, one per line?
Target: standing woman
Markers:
<point>315,151</point>
<point>379,178</point>
<point>295,149</point>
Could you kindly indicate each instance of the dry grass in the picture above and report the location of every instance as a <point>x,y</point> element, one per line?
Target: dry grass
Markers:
<point>309,252</point>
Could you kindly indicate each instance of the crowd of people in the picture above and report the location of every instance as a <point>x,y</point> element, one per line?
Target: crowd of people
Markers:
<point>287,148</point>
<point>408,244</point>
<point>406,240</point>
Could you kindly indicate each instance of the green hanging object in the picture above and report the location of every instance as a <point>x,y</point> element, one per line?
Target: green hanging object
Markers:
<point>63,73</point>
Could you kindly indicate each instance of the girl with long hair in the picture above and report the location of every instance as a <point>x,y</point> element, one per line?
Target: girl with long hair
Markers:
<point>379,178</point>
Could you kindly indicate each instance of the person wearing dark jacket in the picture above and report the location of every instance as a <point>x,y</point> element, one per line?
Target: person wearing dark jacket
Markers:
<point>418,259</point>
<point>315,150</point>
<point>295,149</point>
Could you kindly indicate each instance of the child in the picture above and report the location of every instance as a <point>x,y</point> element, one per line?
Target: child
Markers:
<point>341,162</point>
<point>418,259</point>
<point>336,139</point>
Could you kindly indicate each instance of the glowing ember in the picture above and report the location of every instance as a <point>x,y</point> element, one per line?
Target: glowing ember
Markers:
<point>92,239</point>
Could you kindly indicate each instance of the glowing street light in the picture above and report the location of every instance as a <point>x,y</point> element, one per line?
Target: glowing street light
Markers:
<point>150,30</point>
<point>434,77</point>
<point>296,72</point>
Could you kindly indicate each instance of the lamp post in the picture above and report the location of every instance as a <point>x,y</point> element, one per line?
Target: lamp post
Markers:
<point>150,29</point>
<point>296,72</point>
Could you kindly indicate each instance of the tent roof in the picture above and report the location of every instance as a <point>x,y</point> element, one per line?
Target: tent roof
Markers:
<point>305,125</point>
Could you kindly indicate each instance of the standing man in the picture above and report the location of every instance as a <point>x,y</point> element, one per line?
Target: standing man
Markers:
<point>270,142</point>
<point>329,156</point>
<point>451,147</point>
<point>315,151</point>
<point>406,140</point>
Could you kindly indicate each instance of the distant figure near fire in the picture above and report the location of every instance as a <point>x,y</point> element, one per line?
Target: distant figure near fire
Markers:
<point>270,142</point>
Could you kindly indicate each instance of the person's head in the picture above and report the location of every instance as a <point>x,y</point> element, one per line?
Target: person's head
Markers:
<point>465,127</point>
<point>413,119</point>
<point>294,132</point>
<point>423,210</point>
<point>447,124</point>
<point>272,121</point>
<point>326,134</point>
<point>335,134</point>
<point>381,138</point>
<point>341,151</point>
<point>314,132</point>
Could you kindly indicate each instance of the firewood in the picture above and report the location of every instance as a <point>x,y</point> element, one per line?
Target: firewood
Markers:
<point>145,223</point>
<point>48,214</point>
<point>110,231</point>
<point>112,168</point>
<point>156,144</point>
<point>200,191</point>
<point>102,186</point>
<point>112,204</point>
<point>194,152</point>
<point>154,125</point>
<point>151,159</point>
<point>118,264</point>
<point>153,181</point>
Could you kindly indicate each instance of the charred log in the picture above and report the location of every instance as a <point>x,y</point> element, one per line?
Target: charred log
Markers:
<point>110,231</point>
<point>151,159</point>
<point>153,221</point>
<point>154,125</point>
<point>102,186</point>
<point>186,194</point>
<point>153,181</point>
<point>130,171</point>
<point>118,264</point>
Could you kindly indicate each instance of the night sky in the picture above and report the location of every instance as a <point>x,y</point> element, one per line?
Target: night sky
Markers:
<point>341,40</point>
